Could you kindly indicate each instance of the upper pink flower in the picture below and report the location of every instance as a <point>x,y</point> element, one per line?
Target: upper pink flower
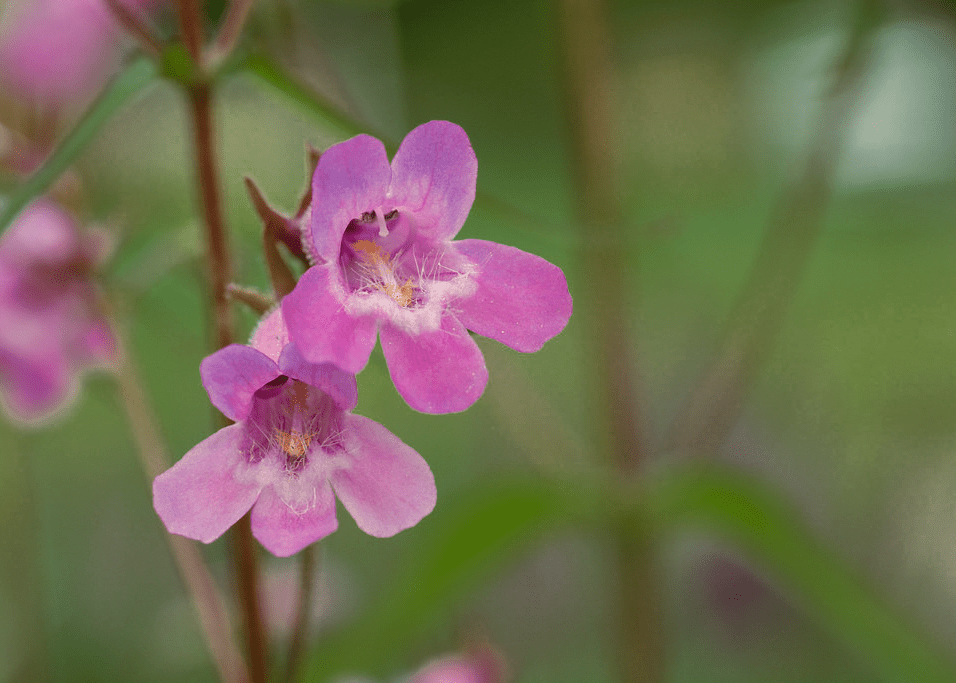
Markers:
<point>56,51</point>
<point>293,443</point>
<point>385,263</point>
<point>51,328</point>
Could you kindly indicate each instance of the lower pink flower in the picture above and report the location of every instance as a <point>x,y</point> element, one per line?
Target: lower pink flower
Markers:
<point>294,444</point>
<point>51,329</point>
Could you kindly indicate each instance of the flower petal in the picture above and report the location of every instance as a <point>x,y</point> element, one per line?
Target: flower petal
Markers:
<point>434,174</point>
<point>387,487</point>
<point>331,379</point>
<point>351,178</point>
<point>522,300</point>
<point>283,531</point>
<point>270,335</point>
<point>200,496</point>
<point>232,375</point>
<point>37,388</point>
<point>435,372</point>
<point>321,328</point>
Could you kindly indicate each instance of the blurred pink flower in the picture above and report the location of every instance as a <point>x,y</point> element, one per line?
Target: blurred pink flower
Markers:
<point>293,444</point>
<point>484,665</point>
<point>58,51</point>
<point>386,264</point>
<point>50,327</point>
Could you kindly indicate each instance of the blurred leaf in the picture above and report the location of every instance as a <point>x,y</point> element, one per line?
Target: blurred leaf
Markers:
<point>473,534</point>
<point>134,79</point>
<point>304,97</point>
<point>749,514</point>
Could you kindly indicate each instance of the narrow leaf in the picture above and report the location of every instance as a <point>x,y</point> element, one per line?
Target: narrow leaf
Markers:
<point>748,514</point>
<point>134,79</point>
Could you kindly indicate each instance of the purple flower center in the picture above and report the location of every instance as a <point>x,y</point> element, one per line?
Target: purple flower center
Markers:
<point>291,423</point>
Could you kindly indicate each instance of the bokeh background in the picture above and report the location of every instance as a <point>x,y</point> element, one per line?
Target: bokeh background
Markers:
<point>849,423</point>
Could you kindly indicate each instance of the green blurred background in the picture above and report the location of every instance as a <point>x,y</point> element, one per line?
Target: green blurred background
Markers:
<point>850,422</point>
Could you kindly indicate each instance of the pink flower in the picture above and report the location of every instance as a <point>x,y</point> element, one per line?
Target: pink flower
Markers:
<point>484,666</point>
<point>293,443</point>
<point>50,327</point>
<point>56,51</point>
<point>386,264</point>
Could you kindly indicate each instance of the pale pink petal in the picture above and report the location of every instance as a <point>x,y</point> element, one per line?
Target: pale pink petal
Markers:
<point>200,496</point>
<point>387,487</point>
<point>522,300</point>
<point>270,335</point>
<point>331,379</point>
<point>435,372</point>
<point>434,174</point>
<point>284,531</point>
<point>350,179</point>
<point>232,375</point>
<point>452,669</point>
<point>319,325</point>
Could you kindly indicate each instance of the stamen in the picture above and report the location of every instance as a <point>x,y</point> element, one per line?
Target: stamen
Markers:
<point>382,227</point>
<point>382,272</point>
<point>295,444</point>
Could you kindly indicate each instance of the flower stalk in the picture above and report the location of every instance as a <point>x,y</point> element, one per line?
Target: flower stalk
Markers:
<point>219,268</point>
<point>213,616</point>
<point>588,83</point>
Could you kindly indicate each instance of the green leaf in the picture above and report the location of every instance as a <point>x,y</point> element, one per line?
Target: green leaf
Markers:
<point>748,514</point>
<point>470,536</point>
<point>134,79</point>
<point>306,99</point>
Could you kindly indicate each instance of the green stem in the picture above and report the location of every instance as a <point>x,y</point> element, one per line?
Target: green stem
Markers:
<point>213,616</point>
<point>588,73</point>
<point>307,562</point>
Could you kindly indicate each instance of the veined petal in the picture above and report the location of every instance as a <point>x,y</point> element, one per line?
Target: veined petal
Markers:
<point>434,174</point>
<point>200,496</point>
<point>331,379</point>
<point>284,531</point>
<point>351,178</point>
<point>387,486</point>
<point>233,374</point>
<point>435,372</point>
<point>321,328</point>
<point>522,300</point>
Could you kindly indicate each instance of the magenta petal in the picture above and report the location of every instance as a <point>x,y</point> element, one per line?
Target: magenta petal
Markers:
<point>387,487</point>
<point>200,496</point>
<point>331,379</point>
<point>232,375</point>
<point>319,326</point>
<point>32,389</point>
<point>434,174</point>
<point>351,178</point>
<point>522,300</point>
<point>435,372</point>
<point>283,531</point>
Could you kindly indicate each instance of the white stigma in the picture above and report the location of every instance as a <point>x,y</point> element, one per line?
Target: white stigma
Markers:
<point>380,219</point>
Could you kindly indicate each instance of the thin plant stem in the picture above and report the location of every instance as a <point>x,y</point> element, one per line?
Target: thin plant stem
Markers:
<point>219,270</point>
<point>229,30</point>
<point>213,616</point>
<point>137,27</point>
<point>307,564</point>
<point>191,27</point>
<point>588,83</point>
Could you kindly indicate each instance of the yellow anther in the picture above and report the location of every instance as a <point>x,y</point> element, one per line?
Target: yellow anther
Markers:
<point>295,444</point>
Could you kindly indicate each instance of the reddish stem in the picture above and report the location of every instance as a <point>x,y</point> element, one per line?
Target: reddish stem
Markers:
<point>247,572</point>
